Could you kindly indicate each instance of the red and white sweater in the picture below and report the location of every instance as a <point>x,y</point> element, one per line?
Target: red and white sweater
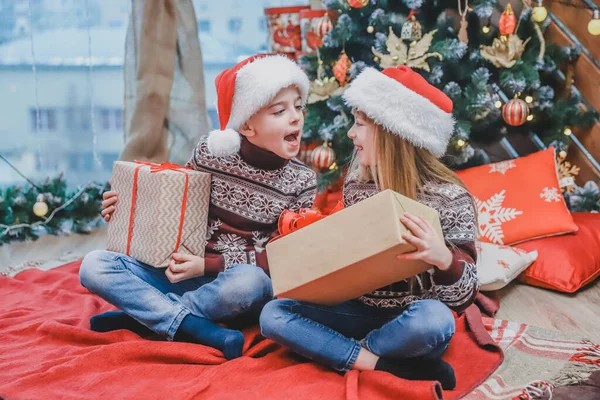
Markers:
<point>457,286</point>
<point>249,190</point>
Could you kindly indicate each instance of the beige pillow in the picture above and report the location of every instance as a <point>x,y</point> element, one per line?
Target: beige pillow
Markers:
<point>497,265</point>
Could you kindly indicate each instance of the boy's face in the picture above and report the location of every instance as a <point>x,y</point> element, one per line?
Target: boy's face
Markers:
<point>278,126</point>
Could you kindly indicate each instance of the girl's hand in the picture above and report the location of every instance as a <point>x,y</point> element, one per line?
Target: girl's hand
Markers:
<point>430,246</point>
<point>184,266</point>
<point>108,204</point>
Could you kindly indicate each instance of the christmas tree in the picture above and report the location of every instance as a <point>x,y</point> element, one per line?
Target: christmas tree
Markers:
<point>503,78</point>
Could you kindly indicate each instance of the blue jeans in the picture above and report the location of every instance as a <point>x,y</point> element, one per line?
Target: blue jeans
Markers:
<point>146,294</point>
<point>335,335</point>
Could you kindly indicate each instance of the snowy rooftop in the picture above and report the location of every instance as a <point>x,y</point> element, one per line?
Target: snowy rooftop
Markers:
<point>70,47</point>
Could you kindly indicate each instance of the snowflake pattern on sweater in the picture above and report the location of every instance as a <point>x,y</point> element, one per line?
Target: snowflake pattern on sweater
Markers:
<point>246,201</point>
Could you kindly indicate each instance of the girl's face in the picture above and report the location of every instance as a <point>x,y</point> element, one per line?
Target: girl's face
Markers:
<point>362,135</point>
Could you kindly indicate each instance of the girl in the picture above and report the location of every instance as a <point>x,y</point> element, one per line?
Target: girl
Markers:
<point>402,125</point>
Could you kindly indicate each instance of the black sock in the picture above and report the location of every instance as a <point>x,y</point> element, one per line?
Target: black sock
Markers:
<point>114,320</point>
<point>416,369</point>
<point>203,331</point>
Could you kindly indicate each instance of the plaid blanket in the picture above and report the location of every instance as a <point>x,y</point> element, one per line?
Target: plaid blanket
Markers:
<point>540,364</point>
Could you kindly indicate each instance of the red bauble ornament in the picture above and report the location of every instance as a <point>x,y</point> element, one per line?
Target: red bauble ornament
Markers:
<point>322,157</point>
<point>508,21</point>
<point>358,3</point>
<point>515,112</point>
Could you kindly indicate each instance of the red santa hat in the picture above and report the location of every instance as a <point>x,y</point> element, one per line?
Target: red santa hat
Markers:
<point>246,88</point>
<point>405,104</point>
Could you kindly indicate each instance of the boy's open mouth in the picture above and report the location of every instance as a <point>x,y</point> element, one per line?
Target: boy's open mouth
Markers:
<point>292,137</point>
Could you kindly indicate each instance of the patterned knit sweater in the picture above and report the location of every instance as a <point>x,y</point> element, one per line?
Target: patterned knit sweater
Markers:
<point>249,190</point>
<point>457,286</point>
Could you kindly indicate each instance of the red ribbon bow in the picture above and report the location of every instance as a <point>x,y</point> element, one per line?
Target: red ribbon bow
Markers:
<point>290,221</point>
<point>166,166</point>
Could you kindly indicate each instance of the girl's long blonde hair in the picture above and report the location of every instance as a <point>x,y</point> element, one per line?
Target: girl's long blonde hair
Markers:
<point>403,168</point>
<point>400,166</point>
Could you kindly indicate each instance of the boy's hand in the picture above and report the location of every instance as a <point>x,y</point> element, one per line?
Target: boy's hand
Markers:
<point>430,246</point>
<point>108,204</point>
<point>184,266</point>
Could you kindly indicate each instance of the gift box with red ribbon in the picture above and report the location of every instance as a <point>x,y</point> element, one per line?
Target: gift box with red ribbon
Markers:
<point>161,209</point>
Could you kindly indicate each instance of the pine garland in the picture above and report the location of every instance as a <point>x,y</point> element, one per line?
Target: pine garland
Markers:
<point>80,216</point>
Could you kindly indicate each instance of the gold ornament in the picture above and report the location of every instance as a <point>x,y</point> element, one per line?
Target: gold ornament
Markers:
<point>539,12</point>
<point>411,30</point>
<point>322,89</point>
<point>485,29</point>
<point>562,154</point>
<point>376,59</point>
<point>40,208</point>
<point>400,54</point>
<point>462,32</point>
<point>568,132</point>
<point>370,29</point>
<point>566,173</point>
<point>504,53</point>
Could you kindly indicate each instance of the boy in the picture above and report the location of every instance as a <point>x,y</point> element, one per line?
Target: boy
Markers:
<point>254,178</point>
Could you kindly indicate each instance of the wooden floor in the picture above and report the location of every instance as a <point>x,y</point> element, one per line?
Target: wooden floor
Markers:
<point>577,314</point>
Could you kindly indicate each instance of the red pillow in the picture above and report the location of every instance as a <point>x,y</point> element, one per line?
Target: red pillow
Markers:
<point>519,199</point>
<point>566,263</point>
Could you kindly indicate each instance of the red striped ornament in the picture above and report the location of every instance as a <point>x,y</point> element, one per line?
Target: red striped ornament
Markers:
<point>322,157</point>
<point>321,26</point>
<point>515,112</point>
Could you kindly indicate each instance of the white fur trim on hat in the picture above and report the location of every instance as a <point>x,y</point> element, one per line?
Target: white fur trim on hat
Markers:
<point>400,110</point>
<point>223,143</point>
<point>258,82</point>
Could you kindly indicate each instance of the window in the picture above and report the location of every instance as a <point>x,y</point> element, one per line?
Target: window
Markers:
<point>214,117</point>
<point>111,119</point>
<point>77,118</point>
<point>83,161</point>
<point>203,6</point>
<point>108,159</point>
<point>235,25</point>
<point>72,98</point>
<point>204,25</point>
<point>47,119</point>
<point>46,162</point>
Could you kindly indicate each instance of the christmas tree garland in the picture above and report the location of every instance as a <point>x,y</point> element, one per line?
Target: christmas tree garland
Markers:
<point>28,212</point>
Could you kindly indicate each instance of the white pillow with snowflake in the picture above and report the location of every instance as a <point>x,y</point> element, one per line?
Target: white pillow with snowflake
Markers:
<point>497,265</point>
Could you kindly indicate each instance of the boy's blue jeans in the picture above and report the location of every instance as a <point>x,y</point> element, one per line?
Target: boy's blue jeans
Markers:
<point>335,335</point>
<point>146,294</point>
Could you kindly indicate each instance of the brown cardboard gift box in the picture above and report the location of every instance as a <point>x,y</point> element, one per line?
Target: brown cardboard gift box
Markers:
<point>349,253</point>
<point>162,208</point>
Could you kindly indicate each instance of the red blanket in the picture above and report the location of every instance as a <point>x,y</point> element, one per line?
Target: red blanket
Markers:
<point>48,351</point>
